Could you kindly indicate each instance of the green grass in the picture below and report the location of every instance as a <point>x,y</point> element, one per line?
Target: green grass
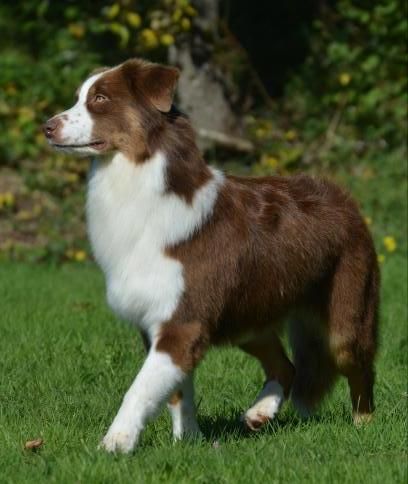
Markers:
<point>66,361</point>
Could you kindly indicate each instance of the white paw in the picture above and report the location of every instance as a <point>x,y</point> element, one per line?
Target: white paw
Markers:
<point>265,407</point>
<point>118,442</point>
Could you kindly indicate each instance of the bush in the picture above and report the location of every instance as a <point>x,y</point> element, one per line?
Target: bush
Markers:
<point>343,108</point>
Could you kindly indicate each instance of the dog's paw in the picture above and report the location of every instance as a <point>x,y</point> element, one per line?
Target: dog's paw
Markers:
<point>117,442</point>
<point>266,406</point>
<point>254,421</point>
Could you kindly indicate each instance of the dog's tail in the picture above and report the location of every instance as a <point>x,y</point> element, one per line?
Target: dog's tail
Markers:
<point>345,342</point>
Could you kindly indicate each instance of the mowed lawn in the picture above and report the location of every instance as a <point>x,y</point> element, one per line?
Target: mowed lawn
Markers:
<point>66,362</point>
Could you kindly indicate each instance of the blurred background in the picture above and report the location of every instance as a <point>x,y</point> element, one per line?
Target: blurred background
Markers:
<point>271,87</point>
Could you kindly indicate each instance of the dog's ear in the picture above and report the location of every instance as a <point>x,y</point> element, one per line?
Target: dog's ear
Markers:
<point>154,81</point>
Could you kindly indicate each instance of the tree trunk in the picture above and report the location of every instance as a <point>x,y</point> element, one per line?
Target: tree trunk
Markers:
<point>202,92</point>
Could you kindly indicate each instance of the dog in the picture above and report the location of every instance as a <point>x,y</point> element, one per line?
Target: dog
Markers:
<point>193,257</point>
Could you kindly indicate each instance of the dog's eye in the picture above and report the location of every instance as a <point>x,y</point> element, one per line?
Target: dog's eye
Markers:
<point>100,98</point>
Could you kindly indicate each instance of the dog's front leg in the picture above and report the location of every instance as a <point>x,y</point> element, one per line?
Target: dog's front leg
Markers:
<point>152,387</point>
<point>183,412</point>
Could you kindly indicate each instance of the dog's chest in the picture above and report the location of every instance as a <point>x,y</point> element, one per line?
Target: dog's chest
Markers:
<point>128,223</point>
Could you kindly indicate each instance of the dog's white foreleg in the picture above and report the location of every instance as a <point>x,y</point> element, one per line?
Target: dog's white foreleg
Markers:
<point>152,387</point>
<point>183,412</point>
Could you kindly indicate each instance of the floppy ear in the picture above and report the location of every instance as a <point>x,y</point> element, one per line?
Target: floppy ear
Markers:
<point>156,82</point>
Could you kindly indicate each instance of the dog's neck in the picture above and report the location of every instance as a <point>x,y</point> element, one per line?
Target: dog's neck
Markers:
<point>171,138</point>
<point>174,137</point>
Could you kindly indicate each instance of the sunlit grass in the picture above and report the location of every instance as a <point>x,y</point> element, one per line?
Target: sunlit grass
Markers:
<point>66,362</point>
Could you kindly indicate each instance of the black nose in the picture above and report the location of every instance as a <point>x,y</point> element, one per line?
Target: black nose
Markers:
<point>51,127</point>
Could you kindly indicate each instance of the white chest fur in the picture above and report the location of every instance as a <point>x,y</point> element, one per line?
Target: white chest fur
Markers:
<point>131,220</point>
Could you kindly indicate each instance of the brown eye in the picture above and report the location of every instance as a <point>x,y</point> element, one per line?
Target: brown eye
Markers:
<point>100,98</point>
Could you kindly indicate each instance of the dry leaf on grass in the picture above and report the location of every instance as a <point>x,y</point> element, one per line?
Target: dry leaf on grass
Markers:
<point>33,444</point>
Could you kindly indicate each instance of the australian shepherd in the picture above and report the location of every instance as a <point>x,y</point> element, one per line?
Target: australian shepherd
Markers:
<point>193,257</point>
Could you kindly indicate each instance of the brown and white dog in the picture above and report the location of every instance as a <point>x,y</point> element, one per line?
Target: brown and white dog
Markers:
<point>196,258</point>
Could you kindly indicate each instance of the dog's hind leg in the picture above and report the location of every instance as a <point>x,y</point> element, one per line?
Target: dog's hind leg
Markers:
<point>315,369</point>
<point>279,374</point>
<point>183,412</point>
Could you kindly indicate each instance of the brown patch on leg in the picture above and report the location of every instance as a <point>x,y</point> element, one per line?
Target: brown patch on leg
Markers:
<point>176,398</point>
<point>274,361</point>
<point>186,343</point>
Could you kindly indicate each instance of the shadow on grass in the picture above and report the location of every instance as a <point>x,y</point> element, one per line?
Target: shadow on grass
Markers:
<point>221,427</point>
<point>216,427</point>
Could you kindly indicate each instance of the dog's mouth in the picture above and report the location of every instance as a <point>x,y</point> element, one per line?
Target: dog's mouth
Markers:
<point>96,145</point>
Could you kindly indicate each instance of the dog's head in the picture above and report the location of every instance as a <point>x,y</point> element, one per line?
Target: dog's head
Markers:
<point>117,109</point>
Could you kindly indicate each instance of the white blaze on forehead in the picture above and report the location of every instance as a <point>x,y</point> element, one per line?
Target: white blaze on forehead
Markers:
<point>78,123</point>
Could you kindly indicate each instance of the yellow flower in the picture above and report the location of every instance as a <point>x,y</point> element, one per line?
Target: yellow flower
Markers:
<point>76,30</point>
<point>149,39</point>
<point>185,23</point>
<point>167,39</point>
<point>23,215</point>
<point>6,199</point>
<point>389,243</point>
<point>381,258</point>
<point>71,177</point>
<point>261,133</point>
<point>177,14</point>
<point>80,255</point>
<point>25,114</point>
<point>291,135</point>
<point>134,19</point>
<point>269,161</point>
<point>344,78</point>
<point>112,11</point>
<point>190,11</point>
<point>368,220</point>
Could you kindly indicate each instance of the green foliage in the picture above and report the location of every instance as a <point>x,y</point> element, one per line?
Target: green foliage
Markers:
<point>343,111</point>
<point>349,99</point>
<point>48,48</point>
<point>56,44</point>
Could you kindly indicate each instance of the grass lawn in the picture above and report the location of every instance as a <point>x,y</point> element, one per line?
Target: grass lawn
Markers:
<point>66,362</point>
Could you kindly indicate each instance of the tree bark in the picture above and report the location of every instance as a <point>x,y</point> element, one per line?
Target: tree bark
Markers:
<point>202,92</point>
